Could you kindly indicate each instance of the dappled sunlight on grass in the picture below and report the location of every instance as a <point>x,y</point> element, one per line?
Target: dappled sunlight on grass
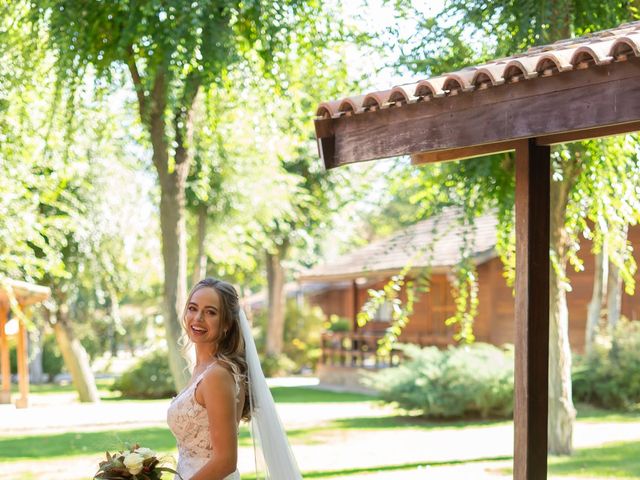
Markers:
<point>409,422</point>
<point>345,473</point>
<point>324,432</point>
<point>613,460</point>
<point>319,425</point>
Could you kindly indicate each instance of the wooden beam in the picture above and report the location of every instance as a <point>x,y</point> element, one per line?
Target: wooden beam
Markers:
<point>462,153</point>
<point>5,393</point>
<point>532,310</point>
<point>23,369</point>
<point>580,100</point>
<point>466,153</point>
<point>600,132</point>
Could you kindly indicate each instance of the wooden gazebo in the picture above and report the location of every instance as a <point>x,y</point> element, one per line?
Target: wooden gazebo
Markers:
<point>571,90</point>
<point>26,295</point>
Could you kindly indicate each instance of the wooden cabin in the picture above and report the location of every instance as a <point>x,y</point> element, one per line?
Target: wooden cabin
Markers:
<point>572,90</point>
<point>348,278</point>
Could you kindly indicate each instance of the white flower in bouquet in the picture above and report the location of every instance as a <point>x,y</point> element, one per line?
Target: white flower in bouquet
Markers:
<point>133,462</point>
<point>145,452</point>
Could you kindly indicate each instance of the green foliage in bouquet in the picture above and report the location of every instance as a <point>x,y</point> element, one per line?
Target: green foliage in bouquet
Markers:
<point>138,463</point>
<point>466,381</point>
<point>149,378</point>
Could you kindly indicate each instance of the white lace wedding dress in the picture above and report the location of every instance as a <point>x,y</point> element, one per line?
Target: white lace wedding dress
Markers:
<point>188,422</point>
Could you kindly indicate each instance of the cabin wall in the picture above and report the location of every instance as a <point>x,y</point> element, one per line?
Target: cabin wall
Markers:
<point>495,320</point>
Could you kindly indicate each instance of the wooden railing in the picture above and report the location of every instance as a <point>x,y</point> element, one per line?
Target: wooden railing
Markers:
<point>360,349</point>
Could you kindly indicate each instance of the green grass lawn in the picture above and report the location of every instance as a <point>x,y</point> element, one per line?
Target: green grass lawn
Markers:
<point>591,414</point>
<point>19,448</point>
<point>619,460</point>
<point>61,445</point>
<point>613,460</point>
<point>316,395</point>
<point>103,384</point>
<point>280,394</point>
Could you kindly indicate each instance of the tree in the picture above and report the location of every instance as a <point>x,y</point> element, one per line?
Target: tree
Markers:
<point>585,177</point>
<point>235,184</point>
<point>64,160</point>
<point>38,210</point>
<point>171,53</point>
<point>319,196</point>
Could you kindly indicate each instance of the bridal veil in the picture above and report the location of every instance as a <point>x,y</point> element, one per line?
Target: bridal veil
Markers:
<point>270,440</point>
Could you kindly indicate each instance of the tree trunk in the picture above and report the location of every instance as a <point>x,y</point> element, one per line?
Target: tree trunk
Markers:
<point>34,340</point>
<point>75,358</point>
<point>173,178</point>
<point>200,267</point>
<point>561,410</point>
<point>174,254</point>
<point>595,305</point>
<point>614,297</point>
<point>275,280</point>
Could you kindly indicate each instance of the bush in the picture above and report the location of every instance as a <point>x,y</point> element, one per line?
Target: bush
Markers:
<point>301,350</point>
<point>149,378</point>
<point>465,381</point>
<point>609,376</point>
<point>337,324</point>
<point>52,361</point>
<point>13,357</point>
<point>277,365</point>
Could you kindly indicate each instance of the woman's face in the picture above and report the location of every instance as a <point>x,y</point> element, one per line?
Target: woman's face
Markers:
<point>203,316</point>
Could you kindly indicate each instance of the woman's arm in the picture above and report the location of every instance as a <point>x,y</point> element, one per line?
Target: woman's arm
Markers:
<point>217,393</point>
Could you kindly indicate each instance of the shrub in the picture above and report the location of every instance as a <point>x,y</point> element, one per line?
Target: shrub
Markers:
<point>52,361</point>
<point>277,365</point>
<point>13,357</point>
<point>301,350</point>
<point>338,324</point>
<point>609,376</point>
<point>149,378</point>
<point>463,381</point>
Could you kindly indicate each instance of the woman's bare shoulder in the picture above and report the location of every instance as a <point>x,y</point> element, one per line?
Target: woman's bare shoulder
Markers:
<point>218,375</point>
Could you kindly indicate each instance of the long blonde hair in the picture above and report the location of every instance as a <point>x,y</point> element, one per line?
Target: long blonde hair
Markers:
<point>230,349</point>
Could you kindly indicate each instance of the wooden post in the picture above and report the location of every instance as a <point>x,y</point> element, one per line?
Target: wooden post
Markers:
<point>5,394</point>
<point>23,370</point>
<point>532,311</point>
<point>353,304</point>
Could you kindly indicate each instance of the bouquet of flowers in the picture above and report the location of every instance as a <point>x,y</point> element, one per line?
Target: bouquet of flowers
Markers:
<point>138,463</point>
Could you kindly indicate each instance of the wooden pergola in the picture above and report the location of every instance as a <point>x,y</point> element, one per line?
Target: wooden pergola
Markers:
<point>571,90</point>
<point>26,295</point>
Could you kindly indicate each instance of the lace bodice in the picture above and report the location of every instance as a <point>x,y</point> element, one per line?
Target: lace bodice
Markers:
<point>189,423</point>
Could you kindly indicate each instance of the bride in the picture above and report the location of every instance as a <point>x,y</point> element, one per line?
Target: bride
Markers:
<point>227,385</point>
